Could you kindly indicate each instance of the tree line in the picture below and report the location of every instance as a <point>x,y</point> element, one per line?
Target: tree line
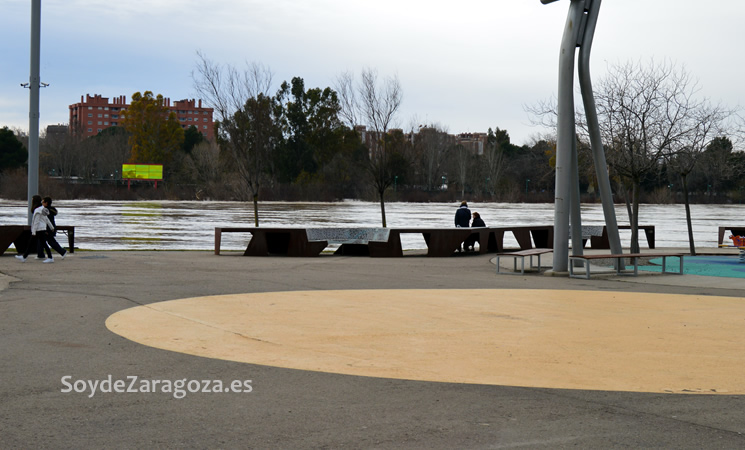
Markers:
<point>345,141</point>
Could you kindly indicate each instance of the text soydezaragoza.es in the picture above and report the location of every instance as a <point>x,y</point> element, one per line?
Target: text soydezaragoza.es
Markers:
<point>133,384</point>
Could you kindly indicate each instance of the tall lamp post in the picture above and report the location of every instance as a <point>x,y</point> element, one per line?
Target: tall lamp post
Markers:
<point>579,31</point>
<point>34,83</point>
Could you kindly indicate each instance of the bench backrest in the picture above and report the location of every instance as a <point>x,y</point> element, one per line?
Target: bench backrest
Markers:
<point>348,235</point>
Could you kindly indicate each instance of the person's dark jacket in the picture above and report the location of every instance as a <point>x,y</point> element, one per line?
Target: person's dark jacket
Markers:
<point>477,222</point>
<point>462,217</point>
<point>52,213</point>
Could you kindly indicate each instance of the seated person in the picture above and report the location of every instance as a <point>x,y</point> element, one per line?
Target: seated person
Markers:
<point>471,241</point>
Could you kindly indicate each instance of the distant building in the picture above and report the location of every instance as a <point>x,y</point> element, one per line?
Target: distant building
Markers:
<point>475,142</point>
<point>95,114</point>
<point>57,130</point>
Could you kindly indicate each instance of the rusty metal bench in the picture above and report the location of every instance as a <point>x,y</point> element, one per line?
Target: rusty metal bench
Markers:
<point>266,241</point>
<point>381,242</point>
<point>19,235</point>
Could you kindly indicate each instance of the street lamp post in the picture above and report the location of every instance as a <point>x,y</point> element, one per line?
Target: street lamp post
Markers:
<point>34,83</point>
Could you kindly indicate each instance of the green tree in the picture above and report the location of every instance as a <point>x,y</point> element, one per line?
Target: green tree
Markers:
<point>155,132</point>
<point>311,129</point>
<point>12,152</point>
<point>192,137</point>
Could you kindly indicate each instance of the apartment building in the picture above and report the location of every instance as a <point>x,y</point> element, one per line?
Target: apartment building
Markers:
<point>96,113</point>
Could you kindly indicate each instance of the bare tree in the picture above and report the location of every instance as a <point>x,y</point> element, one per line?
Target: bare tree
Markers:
<point>433,146</point>
<point>705,125</point>
<point>647,112</point>
<point>347,94</point>
<point>462,159</point>
<point>225,88</point>
<point>375,104</point>
<point>245,129</point>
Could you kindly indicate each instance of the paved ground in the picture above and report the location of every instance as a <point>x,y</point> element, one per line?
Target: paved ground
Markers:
<point>53,325</point>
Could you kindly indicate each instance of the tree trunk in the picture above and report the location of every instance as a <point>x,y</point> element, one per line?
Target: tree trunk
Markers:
<point>626,199</point>
<point>684,180</point>
<point>256,209</point>
<point>635,220</point>
<point>382,207</point>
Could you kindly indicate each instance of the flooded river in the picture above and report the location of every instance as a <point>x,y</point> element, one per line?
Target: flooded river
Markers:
<point>190,225</point>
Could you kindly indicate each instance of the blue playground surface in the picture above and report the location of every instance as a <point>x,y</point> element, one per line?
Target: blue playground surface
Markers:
<point>710,266</point>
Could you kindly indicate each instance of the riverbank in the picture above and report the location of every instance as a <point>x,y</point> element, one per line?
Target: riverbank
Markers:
<point>181,225</point>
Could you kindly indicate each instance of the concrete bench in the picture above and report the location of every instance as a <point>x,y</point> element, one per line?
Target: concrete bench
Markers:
<point>585,260</point>
<point>19,235</point>
<point>521,255</point>
<point>351,241</point>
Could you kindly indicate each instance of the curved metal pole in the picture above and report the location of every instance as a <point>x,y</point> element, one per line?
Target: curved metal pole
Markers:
<point>575,216</point>
<point>601,169</point>
<point>565,135</point>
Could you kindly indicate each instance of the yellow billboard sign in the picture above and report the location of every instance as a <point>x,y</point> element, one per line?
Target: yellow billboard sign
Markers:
<point>142,172</point>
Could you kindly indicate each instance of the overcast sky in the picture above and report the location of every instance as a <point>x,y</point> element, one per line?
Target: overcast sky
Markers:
<point>466,65</point>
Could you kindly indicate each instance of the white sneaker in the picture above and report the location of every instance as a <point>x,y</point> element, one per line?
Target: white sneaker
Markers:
<point>21,258</point>
<point>62,256</point>
<point>48,260</point>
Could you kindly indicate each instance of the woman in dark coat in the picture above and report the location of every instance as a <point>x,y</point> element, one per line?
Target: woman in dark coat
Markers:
<point>477,222</point>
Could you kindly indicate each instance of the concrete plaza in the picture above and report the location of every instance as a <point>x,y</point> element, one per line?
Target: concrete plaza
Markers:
<point>53,322</point>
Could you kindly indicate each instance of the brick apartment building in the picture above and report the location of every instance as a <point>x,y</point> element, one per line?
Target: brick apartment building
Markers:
<point>94,114</point>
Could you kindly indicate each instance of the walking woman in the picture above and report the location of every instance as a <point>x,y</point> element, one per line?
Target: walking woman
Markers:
<point>39,224</point>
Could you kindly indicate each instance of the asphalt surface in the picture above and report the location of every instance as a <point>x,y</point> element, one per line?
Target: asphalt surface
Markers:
<point>52,323</point>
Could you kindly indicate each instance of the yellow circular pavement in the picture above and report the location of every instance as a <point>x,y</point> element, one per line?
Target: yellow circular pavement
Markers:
<point>595,340</point>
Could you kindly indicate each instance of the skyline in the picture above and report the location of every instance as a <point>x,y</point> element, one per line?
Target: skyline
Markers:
<point>466,67</point>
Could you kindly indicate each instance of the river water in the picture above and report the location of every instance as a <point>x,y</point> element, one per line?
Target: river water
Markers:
<point>190,225</point>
